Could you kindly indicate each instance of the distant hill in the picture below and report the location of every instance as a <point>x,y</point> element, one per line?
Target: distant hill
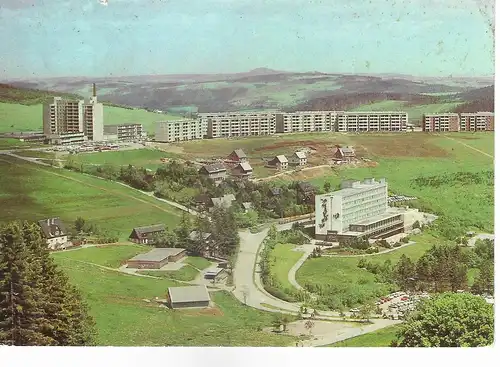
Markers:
<point>478,94</point>
<point>263,89</point>
<point>11,94</point>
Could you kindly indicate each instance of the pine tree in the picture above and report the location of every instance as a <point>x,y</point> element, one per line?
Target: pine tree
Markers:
<point>38,306</point>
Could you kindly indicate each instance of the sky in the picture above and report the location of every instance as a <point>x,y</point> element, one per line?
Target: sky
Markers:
<point>52,38</point>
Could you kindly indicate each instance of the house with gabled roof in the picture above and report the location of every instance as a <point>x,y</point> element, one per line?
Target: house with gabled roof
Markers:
<point>146,234</point>
<point>225,201</point>
<point>345,154</point>
<point>237,156</point>
<point>298,159</point>
<point>215,171</point>
<point>242,171</point>
<point>280,162</point>
<point>55,233</point>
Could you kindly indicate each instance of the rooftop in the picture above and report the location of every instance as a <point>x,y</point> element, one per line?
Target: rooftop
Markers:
<point>240,153</point>
<point>245,166</point>
<point>52,227</point>
<point>188,294</point>
<point>355,187</point>
<point>157,254</point>
<point>195,235</point>
<point>281,158</point>
<point>150,229</point>
<point>376,219</point>
<point>214,167</point>
<point>224,201</point>
<point>300,155</point>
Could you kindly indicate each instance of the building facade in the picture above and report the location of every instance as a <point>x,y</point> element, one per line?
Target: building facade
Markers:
<point>440,122</point>
<point>375,121</point>
<point>125,132</point>
<point>305,121</point>
<point>234,124</point>
<point>478,121</point>
<point>178,130</point>
<point>358,209</point>
<point>62,117</point>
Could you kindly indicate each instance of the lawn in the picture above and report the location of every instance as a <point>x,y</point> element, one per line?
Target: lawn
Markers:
<point>112,256</point>
<point>11,144</point>
<point>147,158</point>
<point>379,338</point>
<point>352,282</point>
<point>35,154</point>
<point>185,274</point>
<point>18,117</point>
<point>282,259</point>
<point>123,318</point>
<point>30,192</point>
<point>197,262</point>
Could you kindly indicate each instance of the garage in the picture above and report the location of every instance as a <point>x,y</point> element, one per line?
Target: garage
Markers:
<point>188,297</point>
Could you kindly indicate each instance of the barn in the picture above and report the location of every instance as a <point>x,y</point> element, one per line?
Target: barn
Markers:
<point>156,258</point>
<point>188,297</point>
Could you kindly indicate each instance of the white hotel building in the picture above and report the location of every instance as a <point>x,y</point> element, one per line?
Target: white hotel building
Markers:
<point>234,124</point>
<point>359,209</point>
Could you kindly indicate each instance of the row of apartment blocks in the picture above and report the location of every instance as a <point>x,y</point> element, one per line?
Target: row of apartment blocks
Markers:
<point>478,121</point>
<point>235,124</point>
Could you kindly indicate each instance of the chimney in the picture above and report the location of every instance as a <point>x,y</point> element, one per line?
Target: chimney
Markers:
<point>94,94</point>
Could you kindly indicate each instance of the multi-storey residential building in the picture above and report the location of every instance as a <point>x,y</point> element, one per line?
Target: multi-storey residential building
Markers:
<point>178,130</point>
<point>358,209</point>
<point>232,124</point>
<point>305,121</point>
<point>370,121</point>
<point>125,132</point>
<point>478,121</point>
<point>432,122</point>
<point>61,117</point>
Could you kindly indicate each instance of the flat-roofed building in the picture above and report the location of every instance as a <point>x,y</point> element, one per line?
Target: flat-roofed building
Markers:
<point>477,121</point>
<point>375,121</point>
<point>358,209</point>
<point>440,122</point>
<point>179,130</point>
<point>156,258</point>
<point>188,297</point>
<point>66,138</point>
<point>125,132</point>
<point>234,124</point>
<point>302,121</point>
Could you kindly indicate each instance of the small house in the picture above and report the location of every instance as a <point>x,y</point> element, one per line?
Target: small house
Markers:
<point>242,171</point>
<point>156,258</point>
<point>298,159</point>
<point>215,273</point>
<point>146,234</point>
<point>280,162</point>
<point>225,201</point>
<point>188,297</point>
<point>344,154</point>
<point>54,232</point>
<point>216,172</point>
<point>237,156</point>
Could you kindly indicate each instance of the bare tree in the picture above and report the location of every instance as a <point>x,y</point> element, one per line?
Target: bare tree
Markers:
<point>309,326</point>
<point>245,293</point>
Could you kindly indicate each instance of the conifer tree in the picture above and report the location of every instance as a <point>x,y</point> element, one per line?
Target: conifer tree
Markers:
<point>38,306</point>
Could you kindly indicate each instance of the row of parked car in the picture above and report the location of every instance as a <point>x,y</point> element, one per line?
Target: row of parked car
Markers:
<point>399,198</point>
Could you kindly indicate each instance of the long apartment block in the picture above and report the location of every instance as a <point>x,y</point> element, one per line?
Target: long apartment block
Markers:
<point>381,121</point>
<point>304,121</point>
<point>179,130</point>
<point>125,132</point>
<point>446,122</point>
<point>233,124</point>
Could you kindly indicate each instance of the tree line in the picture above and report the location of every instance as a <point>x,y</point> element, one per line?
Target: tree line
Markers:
<point>38,305</point>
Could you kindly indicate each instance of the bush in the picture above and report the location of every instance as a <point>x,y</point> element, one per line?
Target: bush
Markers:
<point>278,293</point>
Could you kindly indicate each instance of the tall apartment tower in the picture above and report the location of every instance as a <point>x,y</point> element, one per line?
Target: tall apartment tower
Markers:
<point>93,118</point>
<point>62,117</point>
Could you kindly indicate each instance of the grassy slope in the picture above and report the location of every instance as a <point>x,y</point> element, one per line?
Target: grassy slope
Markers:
<point>110,255</point>
<point>282,259</point>
<point>31,192</point>
<point>379,338</point>
<point>124,319</point>
<point>199,263</point>
<point>186,273</point>
<point>17,117</point>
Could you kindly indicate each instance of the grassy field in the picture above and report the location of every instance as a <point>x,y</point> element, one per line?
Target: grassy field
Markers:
<point>147,158</point>
<point>185,274</point>
<point>31,192</point>
<point>124,319</point>
<point>379,338</point>
<point>36,154</point>
<point>197,262</point>
<point>17,117</point>
<point>282,259</point>
<point>11,144</point>
<point>109,255</point>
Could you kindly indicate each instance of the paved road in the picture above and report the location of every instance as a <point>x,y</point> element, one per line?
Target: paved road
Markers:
<point>308,249</point>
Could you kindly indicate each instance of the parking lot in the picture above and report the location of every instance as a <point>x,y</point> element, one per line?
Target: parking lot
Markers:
<point>395,305</point>
<point>400,198</point>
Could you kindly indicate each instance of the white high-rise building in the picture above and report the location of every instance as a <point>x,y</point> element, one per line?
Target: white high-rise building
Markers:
<point>358,209</point>
<point>63,117</point>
